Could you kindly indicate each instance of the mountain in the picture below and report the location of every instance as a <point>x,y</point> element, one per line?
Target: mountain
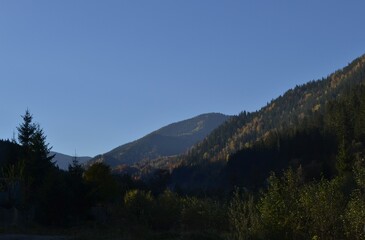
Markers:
<point>174,139</point>
<point>298,108</point>
<point>63,160</point>
<point>286,111</point>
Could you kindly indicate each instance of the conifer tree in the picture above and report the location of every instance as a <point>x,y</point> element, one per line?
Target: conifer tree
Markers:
<point>75,168</point>
<point>26,130</point>
<point>36,156</point>
<point>39,146</point>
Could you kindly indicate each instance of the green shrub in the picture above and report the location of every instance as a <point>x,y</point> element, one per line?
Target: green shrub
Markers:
<point>323,204</point>
<point>355,211</point>
<point>355,216</point>
<point>167,211</point>
<point>279,206</point>
<point>203,214</point>
<point>139,206</point>
<point>104,187</point>
<point>243,217</point>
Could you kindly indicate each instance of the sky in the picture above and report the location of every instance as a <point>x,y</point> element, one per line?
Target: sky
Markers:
<point>98,74</point>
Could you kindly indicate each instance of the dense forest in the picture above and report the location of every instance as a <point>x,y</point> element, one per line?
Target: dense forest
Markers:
<point>300,110</point>
<point>293,170</point>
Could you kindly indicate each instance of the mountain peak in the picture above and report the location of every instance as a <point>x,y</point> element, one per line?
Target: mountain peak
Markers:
<point>173,139</point>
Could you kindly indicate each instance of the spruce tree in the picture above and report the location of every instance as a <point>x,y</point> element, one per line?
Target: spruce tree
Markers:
<point>75,169</point>
<point>36,156</point>
<point>26,130</point>
<point>39,146</point>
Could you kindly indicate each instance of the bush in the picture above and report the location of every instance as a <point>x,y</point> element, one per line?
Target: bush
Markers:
<point>203,214</point>
<point>167,211</point>
<point>355,216</point>
<point>104,187</point>
<point>355,211</point>
<point>139,206</point>
<point>323,205</point>
<point>279,206</point>
<point>243,217</point>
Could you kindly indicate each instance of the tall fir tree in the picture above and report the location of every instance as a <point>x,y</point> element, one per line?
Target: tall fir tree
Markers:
<point>36,156</point>
<point>75,168</point>
<point>39,146</point>
<point>26,130</point>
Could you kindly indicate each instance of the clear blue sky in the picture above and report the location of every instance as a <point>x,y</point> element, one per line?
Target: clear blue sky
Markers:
<point>97,74</point>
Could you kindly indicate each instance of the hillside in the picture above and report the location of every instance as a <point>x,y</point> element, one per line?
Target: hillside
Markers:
<point>298,108</point>
<point>174,139</point>
<point>286,111</point>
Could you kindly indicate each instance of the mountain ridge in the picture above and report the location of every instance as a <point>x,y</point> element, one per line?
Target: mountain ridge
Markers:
<point>289,109</point>
<point>294,109</point>
<point>170,140</point>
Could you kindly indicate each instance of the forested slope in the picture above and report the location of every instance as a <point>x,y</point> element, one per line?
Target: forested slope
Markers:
<point>292,129</point>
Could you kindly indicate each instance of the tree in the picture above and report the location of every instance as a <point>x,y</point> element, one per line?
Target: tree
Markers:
<point>244,217</point>
<point>159,181</point>
<point>104,187</point>
<point>12,175</point>
<point>40,148</point>
<point>32,138</point>
<point>52,199</point>
<point>279,206</point>
<point>203,214</point>
<point>38,161</point>
<point>79,201</point>
<point>323,205</point>
<point>139,206</point>
<point>167,211</point>
<point>359,127</point>
<point>355,211</point>
<point>36,156</point>
<point>355,216</point>
<point>75,168</point>
<point>26,130</point>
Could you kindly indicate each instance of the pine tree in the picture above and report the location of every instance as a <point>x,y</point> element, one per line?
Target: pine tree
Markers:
<point>40,160</point>
<point>26,130</point>
<point>75,169</point>
<point>39,146</point>
<point>36,156</point>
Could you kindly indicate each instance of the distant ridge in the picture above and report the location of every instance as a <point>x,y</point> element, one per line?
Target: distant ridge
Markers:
<point>63,160</point>
<point>173,139</point>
